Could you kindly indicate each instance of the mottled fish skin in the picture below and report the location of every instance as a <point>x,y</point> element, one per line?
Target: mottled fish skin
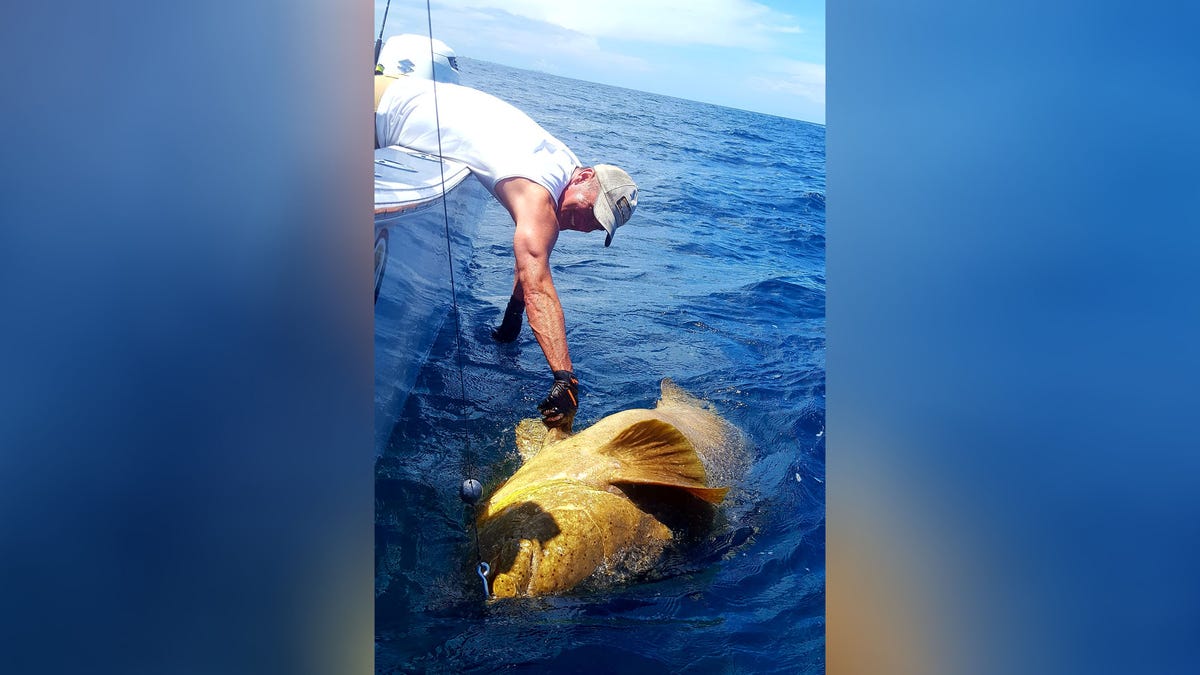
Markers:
<point>563,515</point>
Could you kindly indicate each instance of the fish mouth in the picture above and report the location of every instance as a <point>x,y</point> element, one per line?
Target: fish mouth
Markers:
<point>517,580</point>
<point>512,542</point>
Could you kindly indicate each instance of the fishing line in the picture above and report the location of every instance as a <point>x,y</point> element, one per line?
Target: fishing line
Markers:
<point>471,489</point>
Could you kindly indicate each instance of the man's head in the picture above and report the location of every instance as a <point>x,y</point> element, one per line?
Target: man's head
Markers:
<point>616,200</point>
<point>607,193</point>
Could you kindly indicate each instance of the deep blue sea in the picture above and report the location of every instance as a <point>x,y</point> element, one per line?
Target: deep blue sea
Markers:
<point>718,282</point>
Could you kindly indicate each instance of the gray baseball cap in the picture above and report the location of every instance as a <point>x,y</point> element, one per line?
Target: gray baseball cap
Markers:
<point>617,199</point>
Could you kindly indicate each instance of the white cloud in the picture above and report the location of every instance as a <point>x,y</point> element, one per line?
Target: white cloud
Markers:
<point>721,23</point>
<point>497,35</point>
<point>761,79</point>
<point>797,78</point>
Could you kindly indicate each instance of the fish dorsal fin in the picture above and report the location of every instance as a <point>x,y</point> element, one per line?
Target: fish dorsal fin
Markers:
<point>555,435</point>
<point>532,437</point>
<point>653,452</point>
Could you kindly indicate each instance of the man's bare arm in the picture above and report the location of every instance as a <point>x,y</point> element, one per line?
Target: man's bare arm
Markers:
<point>532,210</point>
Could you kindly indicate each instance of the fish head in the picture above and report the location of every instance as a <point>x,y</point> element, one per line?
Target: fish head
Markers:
<point>559,535</point>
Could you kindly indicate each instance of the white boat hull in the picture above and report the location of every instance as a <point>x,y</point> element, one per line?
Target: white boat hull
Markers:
<point>412,266</point>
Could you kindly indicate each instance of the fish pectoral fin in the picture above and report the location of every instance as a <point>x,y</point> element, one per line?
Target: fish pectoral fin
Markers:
<point>710,495</point>
<point>653,452</point>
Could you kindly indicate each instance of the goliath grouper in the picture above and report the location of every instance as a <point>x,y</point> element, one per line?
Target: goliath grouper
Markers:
<point>583,502</point>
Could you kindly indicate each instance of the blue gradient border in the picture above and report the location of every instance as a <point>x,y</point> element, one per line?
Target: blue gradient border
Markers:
<point>185,462</point>
<point>185,444</point>
<point>1012,258</point>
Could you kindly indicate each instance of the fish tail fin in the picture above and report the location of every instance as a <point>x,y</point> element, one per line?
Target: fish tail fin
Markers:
<point>675,398</point>
<point>673,394</point>
<point>653,452</point>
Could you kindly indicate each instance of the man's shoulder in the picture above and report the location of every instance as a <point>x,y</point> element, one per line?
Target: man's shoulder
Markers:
<point>524,190</point>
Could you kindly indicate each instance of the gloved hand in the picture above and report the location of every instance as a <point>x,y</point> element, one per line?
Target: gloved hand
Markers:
<point>558,410</point>
<point>510,327</point>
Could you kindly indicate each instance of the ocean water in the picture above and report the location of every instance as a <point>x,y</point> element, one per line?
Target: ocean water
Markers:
<point>718,282</point>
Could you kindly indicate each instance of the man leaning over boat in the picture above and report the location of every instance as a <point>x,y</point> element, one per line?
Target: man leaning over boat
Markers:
<point>535,177</point>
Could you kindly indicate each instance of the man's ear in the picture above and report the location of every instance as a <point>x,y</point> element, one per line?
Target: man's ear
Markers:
<point>585,174</point>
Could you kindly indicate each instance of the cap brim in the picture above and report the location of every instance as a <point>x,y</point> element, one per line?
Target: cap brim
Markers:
<point>603,210</point>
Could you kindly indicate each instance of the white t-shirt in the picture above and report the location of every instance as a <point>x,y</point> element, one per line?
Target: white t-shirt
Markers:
<point>492,137</point>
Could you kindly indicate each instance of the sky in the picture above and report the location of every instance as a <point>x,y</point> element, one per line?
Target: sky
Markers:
<point>766,57</point>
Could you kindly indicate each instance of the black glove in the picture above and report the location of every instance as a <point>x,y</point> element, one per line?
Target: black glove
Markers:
<point>510,327</point>
<point>558,410</point>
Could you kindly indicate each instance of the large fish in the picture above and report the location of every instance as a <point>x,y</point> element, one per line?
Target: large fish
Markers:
<point>582,503</point>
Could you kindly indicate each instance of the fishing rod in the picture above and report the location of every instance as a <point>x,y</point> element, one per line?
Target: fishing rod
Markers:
<point>379,40</point>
